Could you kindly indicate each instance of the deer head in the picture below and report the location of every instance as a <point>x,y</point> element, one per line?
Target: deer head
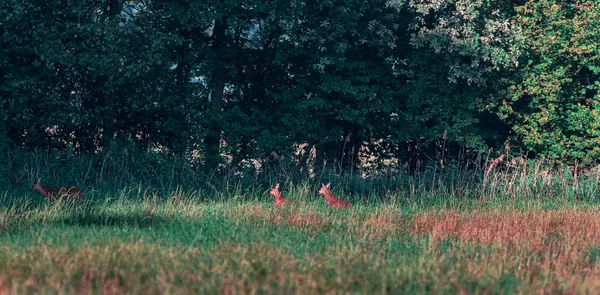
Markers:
<point>37,187</point>
<point>324,189</point>
<point>275,190</point>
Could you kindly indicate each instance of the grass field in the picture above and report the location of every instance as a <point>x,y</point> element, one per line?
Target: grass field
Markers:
<point>191,245</point>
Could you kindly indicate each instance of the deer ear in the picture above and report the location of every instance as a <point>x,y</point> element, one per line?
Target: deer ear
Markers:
<point>277,186</point>
<point>39,180</point>
<point>327,186</point>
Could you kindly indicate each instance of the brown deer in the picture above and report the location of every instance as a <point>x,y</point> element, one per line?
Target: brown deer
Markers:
<point>279,200</point>
<point>332,201</point>
<point>53,194</point>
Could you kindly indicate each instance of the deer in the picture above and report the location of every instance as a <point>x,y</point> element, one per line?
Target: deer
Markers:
<point>53,194</point>
<point>279,200</point>
<point>332,201</point>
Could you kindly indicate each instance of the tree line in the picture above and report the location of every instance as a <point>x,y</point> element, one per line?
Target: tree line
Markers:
<point>230,81</point>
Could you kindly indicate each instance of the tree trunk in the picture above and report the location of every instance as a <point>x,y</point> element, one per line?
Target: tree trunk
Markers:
<point>350,148</point>
<point>115,7</point>
<point>327,155</point>
<point>218,73</point>
<point>109,117</point>
<point>212,139</point>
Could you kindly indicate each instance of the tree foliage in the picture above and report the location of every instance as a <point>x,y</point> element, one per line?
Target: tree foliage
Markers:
<point>553,103</point>
<point>236,81</point>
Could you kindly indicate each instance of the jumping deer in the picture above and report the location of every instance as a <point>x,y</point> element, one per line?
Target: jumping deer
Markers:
<point>53,194</point>
<point>279,200</point>
<point>332,201</point>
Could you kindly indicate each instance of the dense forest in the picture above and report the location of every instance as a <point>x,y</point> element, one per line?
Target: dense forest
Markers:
<point>242,84</point>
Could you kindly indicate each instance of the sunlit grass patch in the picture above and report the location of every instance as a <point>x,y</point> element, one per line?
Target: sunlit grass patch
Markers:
<point>300,217</point>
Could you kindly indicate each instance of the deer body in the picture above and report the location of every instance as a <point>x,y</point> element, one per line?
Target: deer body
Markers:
<point>332,201</point>
<point>53,194</point>
<point>279,200</point>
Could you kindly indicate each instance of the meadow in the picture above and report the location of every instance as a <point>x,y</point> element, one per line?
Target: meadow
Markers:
<point>505,228</point>
<point>137,241</point>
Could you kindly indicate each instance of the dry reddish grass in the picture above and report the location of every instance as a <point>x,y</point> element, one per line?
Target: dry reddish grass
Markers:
<point>561,237</point>
<point>567,234</point>
<point>247,213</point>
<point>376,224</point>
<point>303,219</point>
<point>536,230</point>
<point>4,286</point>
<point>380,225</point>
<point>308,219</point>
<point>531,243</point>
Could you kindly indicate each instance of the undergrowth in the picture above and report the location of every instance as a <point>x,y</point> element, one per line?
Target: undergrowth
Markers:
<point>133,172</point>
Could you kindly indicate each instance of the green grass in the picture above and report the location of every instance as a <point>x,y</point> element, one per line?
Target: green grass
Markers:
<point>473,226</point>
<point>192,245</point>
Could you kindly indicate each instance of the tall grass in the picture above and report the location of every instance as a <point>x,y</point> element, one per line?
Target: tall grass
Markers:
<point>503,178</point>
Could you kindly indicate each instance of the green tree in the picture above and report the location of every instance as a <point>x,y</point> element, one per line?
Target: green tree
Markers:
<point>462,49</point>
<point>79,72</point>
<point>553,103</point>
<point>340,57</point>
